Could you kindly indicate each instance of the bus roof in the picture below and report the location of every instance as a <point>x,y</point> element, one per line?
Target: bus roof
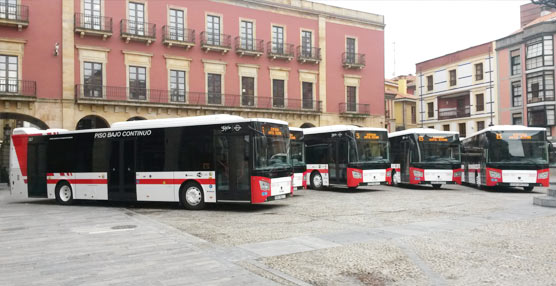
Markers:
<point>420,131</point>
<point>296,129</point>
<point>336,128</point>
<point>507,128</point>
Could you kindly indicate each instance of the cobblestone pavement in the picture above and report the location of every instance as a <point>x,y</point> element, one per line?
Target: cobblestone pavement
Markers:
<point>381,235</point>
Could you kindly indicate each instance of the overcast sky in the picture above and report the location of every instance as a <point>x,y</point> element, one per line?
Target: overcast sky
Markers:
<point>424,30</point>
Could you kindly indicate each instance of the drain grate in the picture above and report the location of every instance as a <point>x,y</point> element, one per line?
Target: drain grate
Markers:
<point>129,226</point>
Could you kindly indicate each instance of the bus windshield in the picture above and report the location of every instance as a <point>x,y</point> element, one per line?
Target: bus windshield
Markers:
<point>518,147</point>
<point>272,147</point>
<point>371,147</point>
<point>439,148</point>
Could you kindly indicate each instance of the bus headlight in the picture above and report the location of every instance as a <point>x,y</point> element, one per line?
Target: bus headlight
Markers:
<point>356,174</point>
<point>265,186</point>
<point>417,173</point>
<point>494,174</point>
<point>543,175</point>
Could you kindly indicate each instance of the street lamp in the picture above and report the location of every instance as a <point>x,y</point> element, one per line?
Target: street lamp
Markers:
<point>7,132</point>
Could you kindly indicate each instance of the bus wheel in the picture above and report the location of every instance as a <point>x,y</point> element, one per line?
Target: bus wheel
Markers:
<point>528,189</point>
<point>436,186</point>
<point>64,195</point>
<point>316,181</point>
<point>191,196</point>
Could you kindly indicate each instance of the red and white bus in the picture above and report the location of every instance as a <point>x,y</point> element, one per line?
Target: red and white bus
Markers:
<point>194,160</point>
<point>506,156</point>
<point>347,155</point>
<point>297,151</point>
<point>425,156</point>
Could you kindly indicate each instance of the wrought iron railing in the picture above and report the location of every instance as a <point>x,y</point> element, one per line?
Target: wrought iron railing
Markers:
<point>249,45</point>
<point>93,23</point>
<point>27,88</point>
<point>137,29</point>
<point>308,54</point>
<point>216,40</point>
<point>357,108</point>
<point>353,59</point>
<point>281,50</point>
<point>16,13</point>
<point>178,35</point>
<point>454,113</point>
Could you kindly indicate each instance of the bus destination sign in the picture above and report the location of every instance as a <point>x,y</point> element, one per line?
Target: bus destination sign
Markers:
<point>272,131</point>
<point>515,136</point>
<point>434,139</point>
<point>367,136</point>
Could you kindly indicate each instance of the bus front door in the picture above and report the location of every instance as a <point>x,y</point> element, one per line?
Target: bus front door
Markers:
<point>121,175</point>
<point>36,169</point>
<point>231,153</point>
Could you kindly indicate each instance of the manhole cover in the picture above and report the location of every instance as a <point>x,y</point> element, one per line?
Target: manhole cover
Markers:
<point>123,227</point>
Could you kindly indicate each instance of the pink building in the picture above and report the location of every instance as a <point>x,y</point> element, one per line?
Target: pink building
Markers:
<point>526,74</point>
<point>88,63</point>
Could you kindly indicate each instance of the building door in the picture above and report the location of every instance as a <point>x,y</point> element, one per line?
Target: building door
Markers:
<point>92,79</point>
<point>36,169</point>
<point>136,23</point>
<point>214,85</point>
<point>8,9</point>
<point>307,44</point>
<point>213,30</point>
<point>91,14</point>
<point>350,50</point>
<point>247,91</point>
<point>231,154</point>
<point>277,40</point>
<point>246,35</point>
<point>121,174</point>
<point>176,25</point>
<point>8,74</point>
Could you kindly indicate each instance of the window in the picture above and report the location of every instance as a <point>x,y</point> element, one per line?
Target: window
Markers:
<point>246,35</point>
<point>430,83</point>
<point>515,58</point>
<point>278,93</point>
<point>446,127</point>
<point>430,109</point>
<point>9,74</point>
<point>517,119</point>
<point>479,71</point>
<point>213,30</point>
<point>480,125</point>
<point>479,102</point>
<point>247,91</point>
<point>540,86</point>
<point>539,52</point>
<point>91,14</point>
<point>92,79</point>
<point>462,130</point>
<point>177,86</point>
<point>307,95</point>
<point>540,115</point>
<point>413,115</point>
<point>176,26</point>
<point>136,23</point>
<point>307,44</point>
<point>278,40</point>
<point>517,100</point>
<point>137,82</point>
<point>8,9</point>
<point>453,80</point>
<point>351,104</point>
<point>350,50</point>
<point>214,88</point>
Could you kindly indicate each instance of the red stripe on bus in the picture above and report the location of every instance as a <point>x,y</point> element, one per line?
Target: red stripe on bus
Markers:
<point>80,181</point>
<point>173,181</point>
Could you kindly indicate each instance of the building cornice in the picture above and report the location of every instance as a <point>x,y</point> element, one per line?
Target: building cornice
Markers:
<point>537,30</point>
<point>92,48</point>
<point>176,58</point>
<point>12,40</point>
<point>137,53</point>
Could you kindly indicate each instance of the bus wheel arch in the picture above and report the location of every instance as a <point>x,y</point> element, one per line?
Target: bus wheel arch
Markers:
<point>315,180</point>
<point>528,188</point>
<point>63,193</point>
<point>191,195</point>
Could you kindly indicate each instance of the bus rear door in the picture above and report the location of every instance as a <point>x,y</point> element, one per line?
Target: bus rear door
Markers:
<point>121,174</point>
<point>36,168</point>
<point>231,154</point>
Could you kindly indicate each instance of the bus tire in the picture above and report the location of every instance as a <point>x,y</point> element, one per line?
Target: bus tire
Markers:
<point>436,186</point>
<point>316,181</point>
<point>528,189</point>
<point>64,193</point>
<point>192,196</point>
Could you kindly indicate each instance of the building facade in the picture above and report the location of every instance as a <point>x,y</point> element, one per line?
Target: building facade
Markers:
<point>405,103</point>
<point>458,91</point>
<point>526,74</point>
<point>390,92</point>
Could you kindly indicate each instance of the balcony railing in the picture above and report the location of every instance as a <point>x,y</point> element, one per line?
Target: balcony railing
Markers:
<point>454,113</point>
<point>140,31</point>
<point>249,47</point>
<point>308,54</point>
<point>282,51</point>
<point>479,107</point>
<point>89,24</point>
<point>353,60</point>
<point>14,15</point>
<point>215,42</point>
<point>355,108</point>
<point>84,93</point>
<point>18,88</point>
<point>539,98</point>
<point>172,36</point>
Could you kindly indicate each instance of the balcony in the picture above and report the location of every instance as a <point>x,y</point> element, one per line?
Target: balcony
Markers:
<point>534,98</point>
<point>216,42</point>
<point>450,113</point>
<point>308,55</point>
<point>137,31</point>
<point>346,108</point>
<point>18,89</point>
<point>353,60</point>
<point>176,98</point>
<point>172,36</point>
<point>249,47</point>
<point>92,25</point>
<point>277,51</point>
<point>14,15</point>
